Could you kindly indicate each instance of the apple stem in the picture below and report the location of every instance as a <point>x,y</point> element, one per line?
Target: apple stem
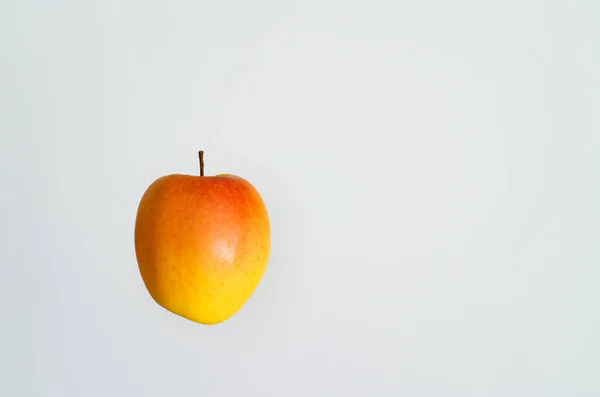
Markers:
<point>201,156</point>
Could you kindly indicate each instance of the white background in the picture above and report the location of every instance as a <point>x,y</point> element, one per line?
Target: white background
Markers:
<point>431,169</point>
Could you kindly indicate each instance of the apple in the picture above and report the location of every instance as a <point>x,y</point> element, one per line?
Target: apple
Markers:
<point>202,244</point>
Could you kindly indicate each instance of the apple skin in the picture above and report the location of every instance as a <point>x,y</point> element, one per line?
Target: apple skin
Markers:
<point>202,244</point>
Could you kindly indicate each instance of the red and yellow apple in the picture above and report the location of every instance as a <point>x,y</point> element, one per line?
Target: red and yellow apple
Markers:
<point>202,244</point>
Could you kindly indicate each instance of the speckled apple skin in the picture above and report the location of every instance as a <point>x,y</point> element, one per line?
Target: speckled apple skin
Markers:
<point>202,244</point>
